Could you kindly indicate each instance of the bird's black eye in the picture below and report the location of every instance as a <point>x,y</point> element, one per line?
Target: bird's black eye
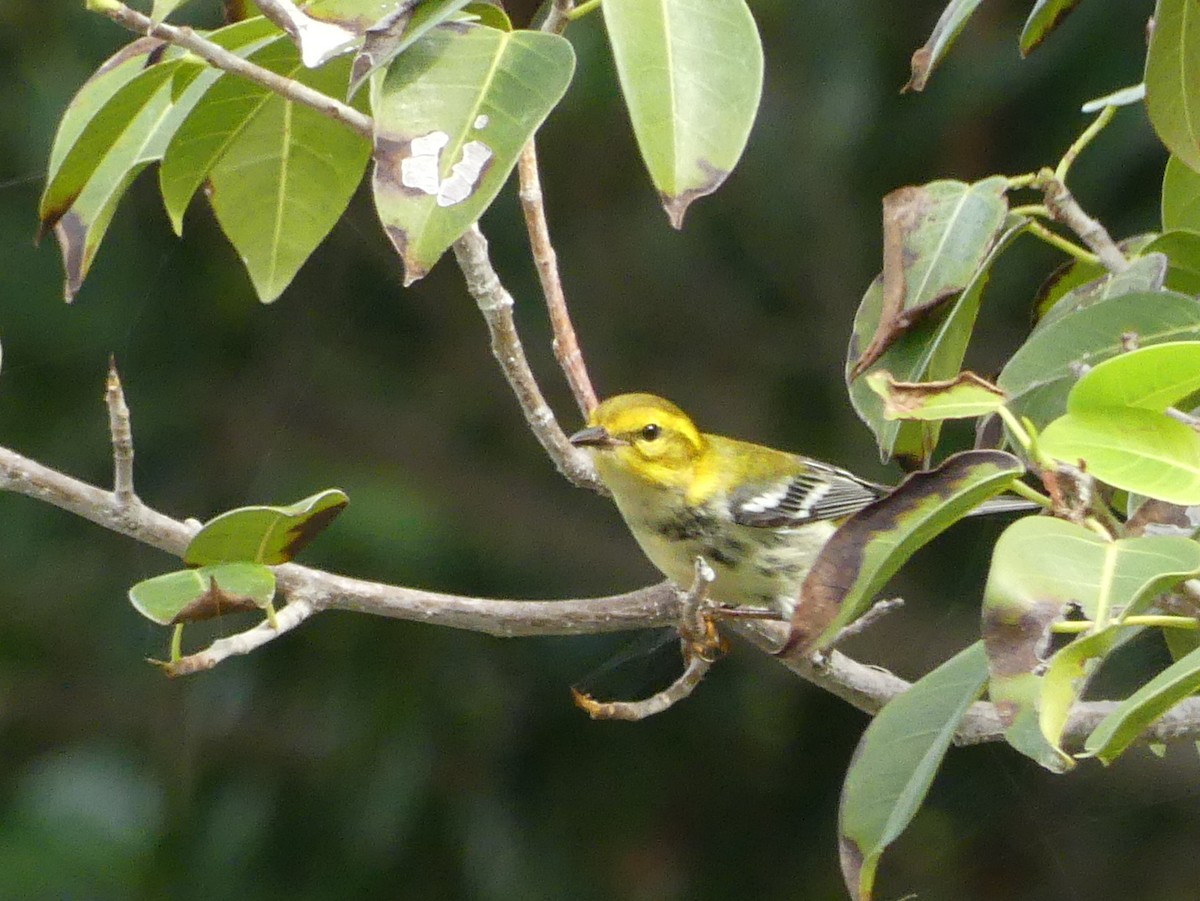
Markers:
<point>651,431</point>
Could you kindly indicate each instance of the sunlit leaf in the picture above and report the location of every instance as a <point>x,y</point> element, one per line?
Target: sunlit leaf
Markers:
<point>1180,196</point>
<point>1043,19</point>
<point>1038,377</point>
<point>868,549</point>
<point>1153,378</point>
<point>191,595</point>
<point>1121,727</point>
<point>896,760</point>
<point>451,117</point>
<point>962,397</point>
<point>268,535</point>
<point>944,33</point>
<point>1173,78</point>
<point>1127,447</point>
<point>691,72</point>
<point>1042,567</point>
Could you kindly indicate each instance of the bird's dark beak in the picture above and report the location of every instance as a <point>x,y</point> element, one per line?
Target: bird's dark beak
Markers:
<point>594,436</point>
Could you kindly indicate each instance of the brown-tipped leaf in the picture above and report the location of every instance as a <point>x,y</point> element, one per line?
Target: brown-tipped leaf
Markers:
<point>268,535</point>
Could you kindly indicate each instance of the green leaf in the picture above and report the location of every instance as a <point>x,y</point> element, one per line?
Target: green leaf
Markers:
<point>950,257</point>
<point>962,397</point>
<point>1075,273</point>
<point>190,595</point>
<point>280,174</point>
<point>164,8</point>
<point>1139,450</point>
<point>1134,93</point>
<point>944,33</point>
<point>1066,677</point>
<point>1145,273</point>
<point>896,760</point>
<point>1153,378</point>
<point>389,38</point>
<point>868,549</point>
<point>1040,568</point>
<point>1119,729</point>
<point>1183,253</point>
<point>267,535</point>
<point>1045,17</point>
<point>1173,78</point>
<point>356,15</point>
<point>1180,197</point>
<point>691,72</point>
<point>451,117</point>
<point>1040,374</point>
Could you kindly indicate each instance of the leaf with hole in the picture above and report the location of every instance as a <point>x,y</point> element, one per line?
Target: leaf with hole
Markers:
<point>268,535</point>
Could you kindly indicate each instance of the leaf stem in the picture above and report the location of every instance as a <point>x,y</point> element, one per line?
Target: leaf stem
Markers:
<point>1014,426</point>
<point>1031,209</point>
<point>1030,494</point>
<point>1056,240</point>
<point>583,9</point>
<point>1160,621</point>
<point>177,643</point>
<point>1068,159</point>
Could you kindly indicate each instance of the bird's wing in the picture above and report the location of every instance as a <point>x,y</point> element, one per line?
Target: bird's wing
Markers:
<point>820,492</point>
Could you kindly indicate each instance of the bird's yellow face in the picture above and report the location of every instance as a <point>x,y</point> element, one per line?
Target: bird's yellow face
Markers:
<point>643,438</point>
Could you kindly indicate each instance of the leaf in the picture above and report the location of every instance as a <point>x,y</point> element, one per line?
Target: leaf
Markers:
<point>1173,78</point>
<point>1180,196</point>
<point>691,73</point>
<point>319,41</point>
<point>1121,727</point>
<point>1131,448</point>
<point>451,117</point>
<point>279,174</point>
<point>1128,96</point>
<point>267,535</point>
<point>945,32</point>
<point>868,549</point>
<point>164,8</point>
<point>931,350</point>
<point>1066,678</point>
<point>395,33</point>
<point>353,15</point>
<point>1074,273</point>
<point>962,397</point>
<point>1043,19</point>
<point>1040,568</point>
<point>1152,378</point>
<point>190,595</point>
<point>1183,253</point>
<point>1040,374</point>
<point>896,760</point>
<point>1145,273</point>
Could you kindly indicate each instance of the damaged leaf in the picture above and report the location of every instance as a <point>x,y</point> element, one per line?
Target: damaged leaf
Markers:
<point>926,58</point>
<point>395,33</point>
<point>1041,568</point>
<point>267,535</point>
<point>451,117</point>
<point>691,73</point>
<point>868,549</point>
<point>896,760</point>
<point>1043,19</point>
<point>962,397</point>
<point>191,595</point>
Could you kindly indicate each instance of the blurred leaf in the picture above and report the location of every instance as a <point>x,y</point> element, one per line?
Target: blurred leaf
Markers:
<point>395,33</point>
<point>1180,196</point>
<point>1135,93</point>
<point>1066,679</point>
<point>1043,19</point>
<point>1153,378</point>
<point>691,72</point>
<point>268,535</point>
<point>318,40</point>
<point>944,33</point>
<point>868,549</point>
<point>931,350</point>
<point>1128,447</point>
<point>355,15</point>
<point>896,760</point>
<point>435,173</point>
<point>191,595</point>
<point>1040,374</point>
<point>1173,78</point>
<point>1155,517</point>
<point>1119,729</point>
<point>279,173</point>
<point>1074,273</point>
<point>962,397</point>
<point>164,8</point>
<point>489,14</point>
<point>1145,273</point>
<point>1040,568</point>
<point>1183,254</point>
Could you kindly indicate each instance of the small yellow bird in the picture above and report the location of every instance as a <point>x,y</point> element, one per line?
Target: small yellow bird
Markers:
<point>758,516</point>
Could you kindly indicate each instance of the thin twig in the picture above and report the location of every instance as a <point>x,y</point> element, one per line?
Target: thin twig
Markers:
<point>122,436</point>
<point>496,304</point>
<point>558,16</point>
<point>566,346</point>
<point>1063,207</point>
<point>296,612</point>
<point>231,62</point>
<point>878,611</point>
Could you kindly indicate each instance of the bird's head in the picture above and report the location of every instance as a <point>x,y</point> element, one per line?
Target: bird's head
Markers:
<point>642,436</point>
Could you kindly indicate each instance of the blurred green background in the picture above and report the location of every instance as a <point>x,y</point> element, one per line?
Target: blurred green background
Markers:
<point>366,758</point>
